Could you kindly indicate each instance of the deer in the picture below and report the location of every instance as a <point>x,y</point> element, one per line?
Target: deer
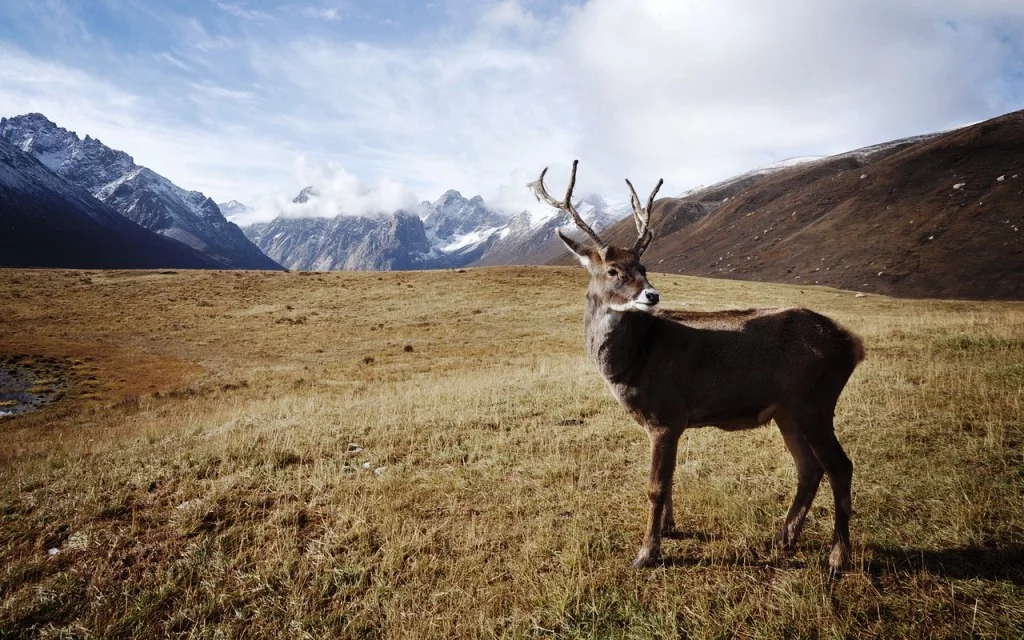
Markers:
<point>673,370</point>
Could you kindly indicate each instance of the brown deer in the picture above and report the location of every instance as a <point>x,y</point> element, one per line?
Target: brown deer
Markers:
<point>674,370</point>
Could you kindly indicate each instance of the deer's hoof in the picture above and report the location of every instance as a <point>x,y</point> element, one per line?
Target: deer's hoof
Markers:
<point>647,558</point>
<point>783,543</point>
<point>838,561</point>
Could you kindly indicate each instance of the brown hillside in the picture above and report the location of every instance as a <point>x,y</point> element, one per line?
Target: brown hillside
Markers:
<point>883,219</point>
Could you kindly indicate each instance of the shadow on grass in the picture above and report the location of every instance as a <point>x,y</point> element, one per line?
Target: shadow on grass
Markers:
<point>680,534</point>
<point>747,562</point>
<point>757,557</point>
<point>963,563</point>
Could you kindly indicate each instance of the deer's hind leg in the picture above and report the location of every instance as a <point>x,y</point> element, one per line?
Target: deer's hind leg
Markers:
<point>809,473</point>
<point>837,465</point>
<point>659,491</point>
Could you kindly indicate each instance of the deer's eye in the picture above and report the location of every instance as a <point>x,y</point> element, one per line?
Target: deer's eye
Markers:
<point>612,273</point>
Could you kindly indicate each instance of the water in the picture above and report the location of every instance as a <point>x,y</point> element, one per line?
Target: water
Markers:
<point>26,385</point>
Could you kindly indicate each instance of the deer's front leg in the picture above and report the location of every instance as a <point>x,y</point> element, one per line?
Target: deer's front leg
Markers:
<point>659,493</point>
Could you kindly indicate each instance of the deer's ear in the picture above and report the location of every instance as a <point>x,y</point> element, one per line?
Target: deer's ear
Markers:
<point>587,256</point>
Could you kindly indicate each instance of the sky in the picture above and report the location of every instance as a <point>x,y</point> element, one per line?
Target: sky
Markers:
<point>386,103</point>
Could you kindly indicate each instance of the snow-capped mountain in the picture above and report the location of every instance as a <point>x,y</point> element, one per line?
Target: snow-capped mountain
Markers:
<point>45,221</point>
<point>452,232</point>
<point>461,228</point>
<point>452,215</point>
<point>232,208</point>
<point>388,242</point>
<point>136,192</point>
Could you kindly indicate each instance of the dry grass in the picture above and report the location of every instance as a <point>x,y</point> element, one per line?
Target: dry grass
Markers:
<point>430,455</point>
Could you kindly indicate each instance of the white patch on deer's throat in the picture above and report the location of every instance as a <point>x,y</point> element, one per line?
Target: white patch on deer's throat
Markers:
<point>639,303</point>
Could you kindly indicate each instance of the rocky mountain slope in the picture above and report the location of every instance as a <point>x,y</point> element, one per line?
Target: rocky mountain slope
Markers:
<point>391,242</point>
<point>463,229</point>
<point>395,241</point>
<point>933,216</point>
<point>136,192</point>
<point>530,238</point>
<point>45,221</point>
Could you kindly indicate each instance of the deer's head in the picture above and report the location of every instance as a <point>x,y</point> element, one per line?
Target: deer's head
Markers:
<point>617,278</point>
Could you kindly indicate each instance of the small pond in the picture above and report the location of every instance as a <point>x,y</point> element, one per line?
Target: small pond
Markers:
<point>28,383</point>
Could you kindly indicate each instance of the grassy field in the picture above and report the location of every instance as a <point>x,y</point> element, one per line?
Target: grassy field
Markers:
<point>431,455</point>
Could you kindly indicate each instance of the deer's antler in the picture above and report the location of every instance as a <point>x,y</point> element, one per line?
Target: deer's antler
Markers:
<point>642,217</point>
<point>565,205</point>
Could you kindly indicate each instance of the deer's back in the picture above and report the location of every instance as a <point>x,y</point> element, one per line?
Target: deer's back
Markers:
<point>727,364</point>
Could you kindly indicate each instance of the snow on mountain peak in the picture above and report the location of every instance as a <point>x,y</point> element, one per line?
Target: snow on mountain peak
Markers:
<point>232,209</point>
<point>452,216</point>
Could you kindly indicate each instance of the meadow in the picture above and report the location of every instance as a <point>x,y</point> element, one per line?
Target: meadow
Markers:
<point>430,454</point>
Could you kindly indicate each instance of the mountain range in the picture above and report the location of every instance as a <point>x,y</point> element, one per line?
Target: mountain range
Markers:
<point>935,215</point>
<point>453,231</point>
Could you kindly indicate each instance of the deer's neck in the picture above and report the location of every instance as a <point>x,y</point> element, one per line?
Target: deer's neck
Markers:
<point>616,341</point>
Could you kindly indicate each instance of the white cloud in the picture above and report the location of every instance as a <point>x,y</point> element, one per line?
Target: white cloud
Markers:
<point>689,91</point>
<point>208,90</point>
<point>218,159</point>
<point>240,11</point>
<point>462,117</point>
<point>335,192</point>
<point>77,98</point>
<point>169,58</point>
<point>330,14</point>
<point>697,90</point>
<point>507,15</point>
<point>692,91</point>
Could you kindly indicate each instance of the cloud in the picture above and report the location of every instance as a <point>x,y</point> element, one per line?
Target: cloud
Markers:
<point>31,84</point>
<point>462,116</point>
<point>208,90</point>
<point>330,14</point>
<point>335,192</point>
<point>695,91</point>
<point>167,57</point>
<point>480,97</point>
<point>240,11</point>
<point>215,158</point>
<point>507,15</point>
<point>689,91</point>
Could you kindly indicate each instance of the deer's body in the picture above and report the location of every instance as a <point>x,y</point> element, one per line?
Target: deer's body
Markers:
<point>729,369</point>
<point>673,370</point>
